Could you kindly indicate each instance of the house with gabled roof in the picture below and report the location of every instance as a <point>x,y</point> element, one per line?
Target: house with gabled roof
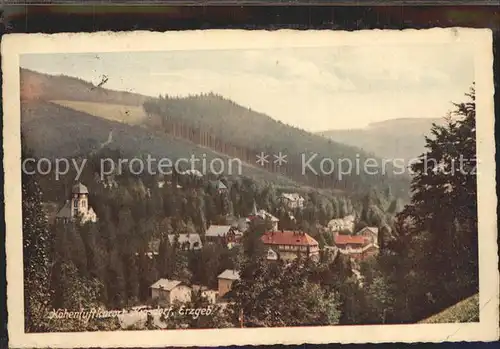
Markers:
<point>166,292</point>
<point>291,200</point>
<point>369,233</point>
<point>342,224</point>
<point>226,280</point>
<point>289,245</point>
<point>240,224</point>
<point>225,234</point>
<point>207,293</point>
<point>187,241</point>
<point>358,247</point>
<point>271,255</point>
<point>264,215</point>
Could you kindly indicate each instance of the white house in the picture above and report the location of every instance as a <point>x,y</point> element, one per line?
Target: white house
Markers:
<point>226,280</point>
<point>271,255</point>
<point>187,241</point>
<point>169,291</point>
<point>240,224</point>
<point>208,294</point>
<point>370,233</point>
<point>291,200</point>
<point>78,206</point>
<point>226,234</point>
<point>264,215</point>
<point>342,224</point>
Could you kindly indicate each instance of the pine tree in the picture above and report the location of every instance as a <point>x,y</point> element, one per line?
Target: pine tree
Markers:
<point>132,278</point>
<point>440,224</point>
<point>36,256</point>
<point>164,258</point>
<point>116,284</point>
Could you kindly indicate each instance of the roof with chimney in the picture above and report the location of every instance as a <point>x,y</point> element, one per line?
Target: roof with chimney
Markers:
<point>79,188</point>
<point>229,274</point>
<point>373,230</point>
<point>263,214</point>
<point>165,284</point>
<point>241,224</point>
<point>288,238</point>
<point>218,230</point>
<point>341,239</point>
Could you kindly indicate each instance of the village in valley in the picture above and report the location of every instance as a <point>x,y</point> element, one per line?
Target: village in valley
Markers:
<point>280,243</point>
<point>309,228</point>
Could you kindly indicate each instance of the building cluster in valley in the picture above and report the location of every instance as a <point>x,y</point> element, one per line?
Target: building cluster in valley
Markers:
<point>168,292</point>
<point>285,245</point>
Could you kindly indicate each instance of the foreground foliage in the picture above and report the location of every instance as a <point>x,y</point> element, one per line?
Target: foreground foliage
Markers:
<point>464,311</point>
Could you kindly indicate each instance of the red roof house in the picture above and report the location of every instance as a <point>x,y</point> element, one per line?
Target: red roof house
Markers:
<point>342,240</point>
<point>356,246</point>
<point>291,244</point>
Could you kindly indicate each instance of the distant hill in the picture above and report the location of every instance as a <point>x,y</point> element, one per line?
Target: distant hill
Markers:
<point>37,86</point>
<point>65,114</point>
<point>390,139</point>
<point>56,131</point>
<point>215,121</point>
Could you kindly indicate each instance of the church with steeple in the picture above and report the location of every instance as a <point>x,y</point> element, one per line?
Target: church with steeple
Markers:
<point>77,206</point>
<point>264,215</point>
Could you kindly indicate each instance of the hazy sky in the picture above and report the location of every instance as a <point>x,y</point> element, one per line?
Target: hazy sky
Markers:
<point>312,88</point>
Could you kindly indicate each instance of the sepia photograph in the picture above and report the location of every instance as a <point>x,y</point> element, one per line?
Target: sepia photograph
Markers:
<point>263,187</point>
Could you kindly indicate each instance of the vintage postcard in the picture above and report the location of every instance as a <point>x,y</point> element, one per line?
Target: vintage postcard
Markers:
<point>213,188</point>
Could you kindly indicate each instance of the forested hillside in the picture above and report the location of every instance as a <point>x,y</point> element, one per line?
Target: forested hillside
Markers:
<point>216,122</point>
<point>51,130</point>
<point>193,125</point>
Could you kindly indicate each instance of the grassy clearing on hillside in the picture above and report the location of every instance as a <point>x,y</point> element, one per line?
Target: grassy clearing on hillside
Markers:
<point>466,310</point>
<point>131,115</point>
<point>134,115</point>
<point>54,131</point>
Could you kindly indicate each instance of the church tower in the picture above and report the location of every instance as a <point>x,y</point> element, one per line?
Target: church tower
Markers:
<point>79,200</point>
<point>78,206</point>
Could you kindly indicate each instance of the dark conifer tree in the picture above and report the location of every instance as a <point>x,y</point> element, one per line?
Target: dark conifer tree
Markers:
<point>37,255</point>
<point>442,215</point>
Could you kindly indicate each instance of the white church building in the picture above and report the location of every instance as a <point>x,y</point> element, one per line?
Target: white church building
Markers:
<point>78,206</point>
